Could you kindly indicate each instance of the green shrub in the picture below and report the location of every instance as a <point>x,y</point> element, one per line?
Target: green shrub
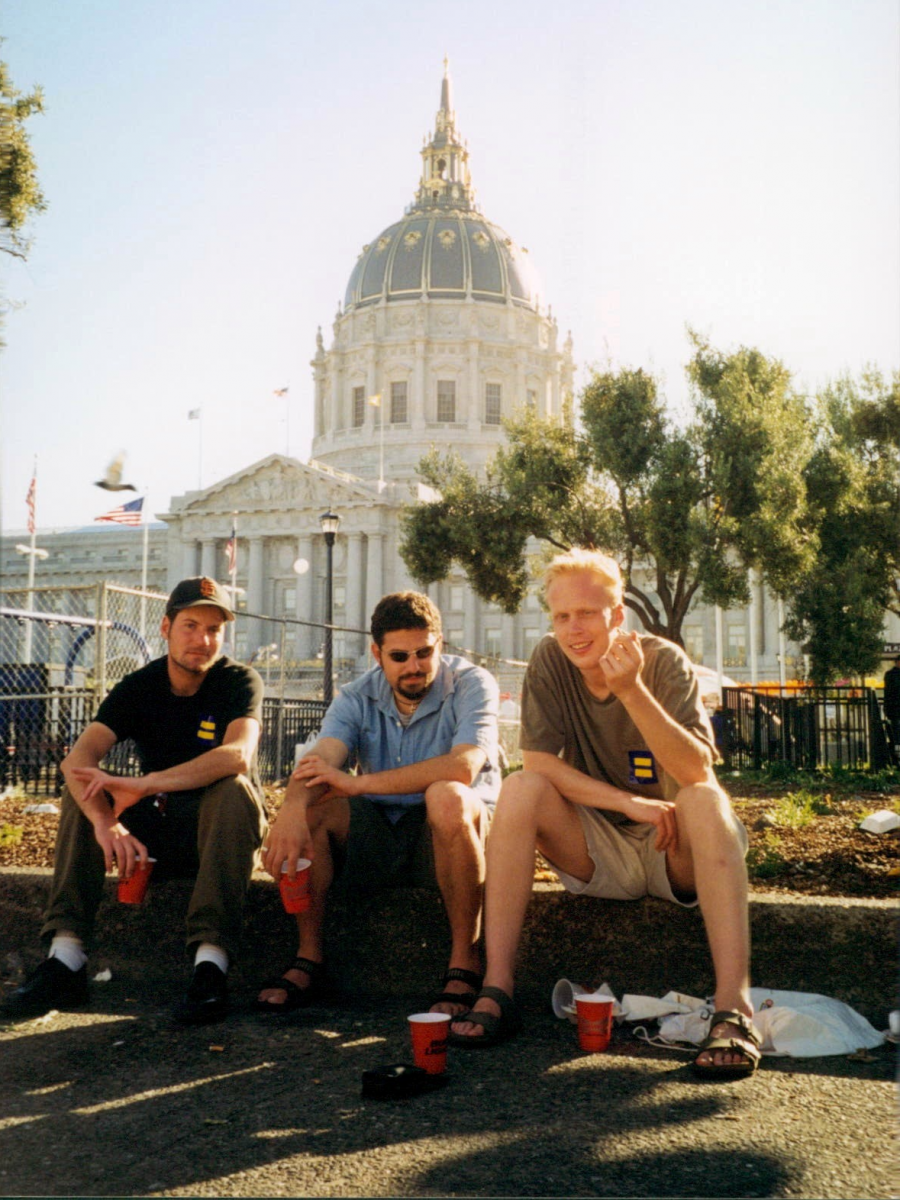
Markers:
<point>764,861</point>
<point>10,835</point>
<point>796,809</point>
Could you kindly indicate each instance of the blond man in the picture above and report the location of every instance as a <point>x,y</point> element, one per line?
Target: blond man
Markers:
<point>619,794</point>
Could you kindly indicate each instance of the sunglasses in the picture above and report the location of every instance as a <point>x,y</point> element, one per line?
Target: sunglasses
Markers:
<point>400,656</point>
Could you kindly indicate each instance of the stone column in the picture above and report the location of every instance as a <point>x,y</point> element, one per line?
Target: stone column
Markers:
<point>255,632</point>
<point>472,613</point>
<point>306,635</point>
<point>356,618</point>
<point>208,558</point>
<point>374,572</point>
<point>189,558</point>
<point>419,401</point>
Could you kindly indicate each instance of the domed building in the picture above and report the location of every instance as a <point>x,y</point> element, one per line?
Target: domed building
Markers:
<point>442,334</point>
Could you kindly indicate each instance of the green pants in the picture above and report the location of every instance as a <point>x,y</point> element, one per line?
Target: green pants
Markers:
<point>212,833</point>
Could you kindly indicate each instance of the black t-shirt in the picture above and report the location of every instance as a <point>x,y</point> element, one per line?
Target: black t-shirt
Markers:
<point>167,729</point>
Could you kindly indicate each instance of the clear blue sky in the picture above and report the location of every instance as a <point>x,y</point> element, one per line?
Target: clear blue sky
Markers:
<point>213,168</point>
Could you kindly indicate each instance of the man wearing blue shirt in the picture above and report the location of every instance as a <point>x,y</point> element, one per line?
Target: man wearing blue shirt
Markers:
<point>422,730</point>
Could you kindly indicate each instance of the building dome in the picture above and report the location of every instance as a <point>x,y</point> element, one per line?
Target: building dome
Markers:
<point>444,256</point>
<point>443,248</point>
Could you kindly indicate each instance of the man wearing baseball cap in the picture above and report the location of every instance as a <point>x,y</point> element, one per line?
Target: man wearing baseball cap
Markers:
<point>194,717</point>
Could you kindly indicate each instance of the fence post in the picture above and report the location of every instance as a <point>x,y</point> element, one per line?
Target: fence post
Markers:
<point>280,725</point>
<point>879,755</point>
<point>100,645</point>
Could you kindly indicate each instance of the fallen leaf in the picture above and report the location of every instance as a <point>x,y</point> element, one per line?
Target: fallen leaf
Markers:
<point>217,1047</point>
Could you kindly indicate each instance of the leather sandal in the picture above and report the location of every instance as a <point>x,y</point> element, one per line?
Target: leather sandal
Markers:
<point>318,988</point>
<point>496,1029</point>
<point>466,999</point>
<point>748,1044</point>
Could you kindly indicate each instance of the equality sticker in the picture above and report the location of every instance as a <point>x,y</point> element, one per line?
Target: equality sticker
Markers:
<point>643,767</point>
<point>207,730</point>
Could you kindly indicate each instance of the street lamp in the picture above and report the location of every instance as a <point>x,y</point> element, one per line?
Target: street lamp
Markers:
<point>329,522</point>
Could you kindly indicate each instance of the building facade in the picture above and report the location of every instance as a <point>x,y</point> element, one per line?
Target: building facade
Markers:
<point>443,333</point>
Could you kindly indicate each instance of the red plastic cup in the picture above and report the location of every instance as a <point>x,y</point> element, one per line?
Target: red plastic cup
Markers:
<point>595,1015</point>
<point>133,890</point>
<point>429,1031</point>
<point>295,892</point>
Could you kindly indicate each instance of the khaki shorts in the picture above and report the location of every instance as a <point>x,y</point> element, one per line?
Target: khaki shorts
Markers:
<point>626,864</point>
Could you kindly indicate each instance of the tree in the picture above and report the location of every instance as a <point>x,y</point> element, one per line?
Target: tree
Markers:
<point>853,489</point>
<point>20,193</point>
<point>685,510</point>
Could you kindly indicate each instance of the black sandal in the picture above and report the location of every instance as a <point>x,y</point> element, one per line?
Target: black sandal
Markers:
<point>496,1029</point>
<point>296,997</point>
<point>467,999</point>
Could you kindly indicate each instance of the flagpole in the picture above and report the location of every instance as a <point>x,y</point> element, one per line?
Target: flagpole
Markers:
<point>144,557</point>
<point>234,584</point>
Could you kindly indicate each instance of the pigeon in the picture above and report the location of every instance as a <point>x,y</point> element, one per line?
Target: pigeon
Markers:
<point>112,481</point>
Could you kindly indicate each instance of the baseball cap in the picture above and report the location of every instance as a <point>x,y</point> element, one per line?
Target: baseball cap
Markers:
<point>200,589</point>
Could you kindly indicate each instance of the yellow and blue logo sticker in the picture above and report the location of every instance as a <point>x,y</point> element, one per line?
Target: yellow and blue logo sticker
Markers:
<point>207,730</point>
<point>643,767</point>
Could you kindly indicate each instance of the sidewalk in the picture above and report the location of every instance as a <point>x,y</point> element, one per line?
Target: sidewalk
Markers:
<point>116,1100</point>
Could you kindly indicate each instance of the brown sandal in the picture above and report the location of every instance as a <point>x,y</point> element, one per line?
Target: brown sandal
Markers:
<point>748,1044</point>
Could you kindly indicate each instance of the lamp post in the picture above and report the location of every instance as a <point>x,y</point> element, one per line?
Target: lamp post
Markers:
<point>329,522</point>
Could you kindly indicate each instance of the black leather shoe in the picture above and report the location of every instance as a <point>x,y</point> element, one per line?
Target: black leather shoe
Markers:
<point>206,998</point>
<point>51,985</point>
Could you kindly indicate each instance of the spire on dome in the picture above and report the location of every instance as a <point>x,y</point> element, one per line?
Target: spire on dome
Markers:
<point>445,182</point>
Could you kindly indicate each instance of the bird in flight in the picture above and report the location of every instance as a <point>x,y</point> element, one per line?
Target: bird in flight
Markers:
<point>112,481</point>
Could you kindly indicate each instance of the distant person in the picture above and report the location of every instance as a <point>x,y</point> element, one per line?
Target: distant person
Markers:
<point>421,727</point>
<point>619,795</point>
<point>195,719</point>
<point>892,699</point>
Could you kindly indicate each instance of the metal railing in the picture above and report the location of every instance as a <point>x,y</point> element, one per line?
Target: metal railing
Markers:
<point>804,727</point>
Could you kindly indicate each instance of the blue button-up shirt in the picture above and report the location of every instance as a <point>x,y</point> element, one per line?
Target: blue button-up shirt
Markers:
<point>459,709</point>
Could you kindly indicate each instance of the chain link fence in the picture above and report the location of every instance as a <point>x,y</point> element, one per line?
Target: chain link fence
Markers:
<point>62,649</point>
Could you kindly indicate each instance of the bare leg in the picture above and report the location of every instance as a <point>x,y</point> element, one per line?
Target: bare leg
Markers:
<point>530,812</point>
<point>329,825</point>
<point>709,860</point>
<point>454,814</point>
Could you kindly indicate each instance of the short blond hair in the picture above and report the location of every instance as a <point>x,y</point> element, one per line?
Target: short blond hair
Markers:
<point>579,559</point>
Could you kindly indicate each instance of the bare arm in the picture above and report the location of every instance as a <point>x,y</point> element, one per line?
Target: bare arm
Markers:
<point>289,837</point>
<point>460,765</point>
<point>233,757</point>
<point>579,788</point>
<point>117,844</point>
<point>675,748</point>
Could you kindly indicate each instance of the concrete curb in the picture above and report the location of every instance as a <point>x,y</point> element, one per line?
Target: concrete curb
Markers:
<point>396,943</point>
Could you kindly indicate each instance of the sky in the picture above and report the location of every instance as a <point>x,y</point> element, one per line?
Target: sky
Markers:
<point>213,169</point>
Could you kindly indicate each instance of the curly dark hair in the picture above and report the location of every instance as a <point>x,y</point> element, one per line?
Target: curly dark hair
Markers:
<point>404,610</point>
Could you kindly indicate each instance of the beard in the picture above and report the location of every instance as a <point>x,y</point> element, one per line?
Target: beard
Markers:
<point>410,692</point>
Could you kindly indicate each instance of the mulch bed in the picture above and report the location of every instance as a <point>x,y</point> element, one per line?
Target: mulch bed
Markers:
<point>829,856</point>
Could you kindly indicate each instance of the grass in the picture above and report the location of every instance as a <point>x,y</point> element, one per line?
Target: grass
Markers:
<point>765,861</point>
<point>796,809</point>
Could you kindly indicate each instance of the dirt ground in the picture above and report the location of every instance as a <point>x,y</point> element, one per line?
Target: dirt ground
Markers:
<point>829,855</point>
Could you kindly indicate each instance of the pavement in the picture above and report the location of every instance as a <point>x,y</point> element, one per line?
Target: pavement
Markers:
<point>116,1099</point>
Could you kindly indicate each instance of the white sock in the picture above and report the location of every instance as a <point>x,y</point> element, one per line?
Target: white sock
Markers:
<point>207,952</point>
<point>69,949</point>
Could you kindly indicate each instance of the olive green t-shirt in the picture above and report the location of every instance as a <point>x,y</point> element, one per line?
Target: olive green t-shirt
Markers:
<point>598,737</point>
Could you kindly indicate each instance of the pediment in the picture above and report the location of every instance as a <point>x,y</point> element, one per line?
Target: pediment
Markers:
<point>274,484</point>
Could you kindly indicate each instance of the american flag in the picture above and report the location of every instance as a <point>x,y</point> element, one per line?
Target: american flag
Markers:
<point>29,501</point>
<point>281,391</point>
<point>231,551</point>
<point>126,514</point>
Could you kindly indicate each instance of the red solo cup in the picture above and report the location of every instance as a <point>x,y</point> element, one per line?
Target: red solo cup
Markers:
<point>295,892</point>
<point>133,890</point>
<point>595,1015</point>
<point>429,1031</point>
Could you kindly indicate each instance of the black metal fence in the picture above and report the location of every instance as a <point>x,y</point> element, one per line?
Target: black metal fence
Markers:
<point>38,729</point>
<point>807,728</point>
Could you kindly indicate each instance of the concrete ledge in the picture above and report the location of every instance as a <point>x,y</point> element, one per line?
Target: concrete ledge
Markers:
<point>396,943</point>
